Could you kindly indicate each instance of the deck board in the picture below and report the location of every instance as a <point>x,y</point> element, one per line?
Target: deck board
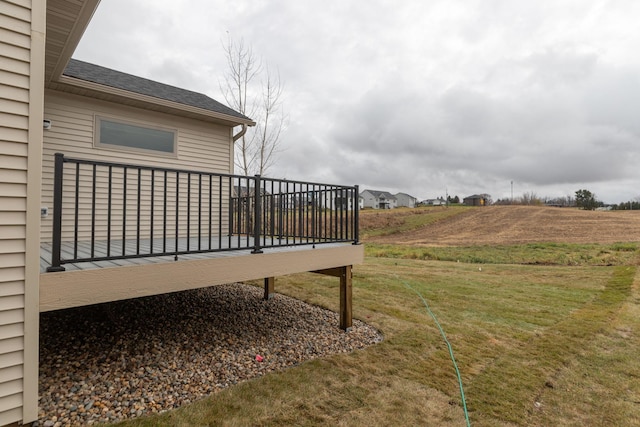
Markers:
<point>221,247</point>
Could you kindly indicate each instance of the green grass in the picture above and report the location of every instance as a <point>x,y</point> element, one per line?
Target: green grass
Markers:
<point>536,344</point>
<point>567,254</point>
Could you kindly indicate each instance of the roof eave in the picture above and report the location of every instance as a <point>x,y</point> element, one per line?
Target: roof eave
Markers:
<point>96,90</point>
<point>66,23</point>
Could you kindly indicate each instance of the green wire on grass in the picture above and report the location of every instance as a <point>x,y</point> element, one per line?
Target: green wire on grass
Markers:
<point>444,336</point>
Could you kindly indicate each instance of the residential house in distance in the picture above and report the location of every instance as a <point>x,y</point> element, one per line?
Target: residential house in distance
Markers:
<point>115,187</point>
<point>477,200</point>
<point>434,202</point>
<point>405,200</point>
<point>378,199</point>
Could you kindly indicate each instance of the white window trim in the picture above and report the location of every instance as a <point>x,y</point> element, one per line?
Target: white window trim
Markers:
<point>148,125</point>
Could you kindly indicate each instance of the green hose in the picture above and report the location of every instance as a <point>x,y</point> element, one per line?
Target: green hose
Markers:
<point>453,359</point>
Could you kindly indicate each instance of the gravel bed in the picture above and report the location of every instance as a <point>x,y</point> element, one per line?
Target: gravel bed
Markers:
<point>127,359</point>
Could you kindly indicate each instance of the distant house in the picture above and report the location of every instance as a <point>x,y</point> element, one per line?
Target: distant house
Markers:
<point>434,202</point>
<point>378,199</point>
<point>405,200</point>
<point>477,200</point>
<point>336,199</point>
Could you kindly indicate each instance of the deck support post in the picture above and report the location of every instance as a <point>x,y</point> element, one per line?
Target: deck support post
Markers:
<point>346,282</point>
<point>346,285</point>
<point>269,287</point>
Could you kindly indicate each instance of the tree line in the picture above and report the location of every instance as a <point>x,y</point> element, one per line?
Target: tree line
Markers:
<point>583,199</point>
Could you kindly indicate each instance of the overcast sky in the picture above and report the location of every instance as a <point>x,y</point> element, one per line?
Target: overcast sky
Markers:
<point>416,96</point>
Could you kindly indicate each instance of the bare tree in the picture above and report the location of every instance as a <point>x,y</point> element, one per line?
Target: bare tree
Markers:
<point>256,92</point>
<point>530,198</point>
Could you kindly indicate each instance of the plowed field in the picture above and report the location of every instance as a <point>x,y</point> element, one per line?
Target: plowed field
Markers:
<point>519,224</point>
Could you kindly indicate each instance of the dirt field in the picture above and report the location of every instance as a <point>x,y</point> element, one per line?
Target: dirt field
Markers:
<point>521,224</point>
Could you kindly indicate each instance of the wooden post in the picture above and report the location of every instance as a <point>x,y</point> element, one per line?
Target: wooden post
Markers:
<point>269,286</point>
<point>346,279</point>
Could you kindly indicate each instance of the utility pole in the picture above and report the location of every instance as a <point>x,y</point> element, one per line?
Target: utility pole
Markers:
<point>511,191</point>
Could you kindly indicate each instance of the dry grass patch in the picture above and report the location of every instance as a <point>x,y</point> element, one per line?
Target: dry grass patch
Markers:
<point>376,223</point>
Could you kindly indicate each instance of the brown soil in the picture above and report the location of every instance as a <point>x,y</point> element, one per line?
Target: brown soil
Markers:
<point>523,224</point>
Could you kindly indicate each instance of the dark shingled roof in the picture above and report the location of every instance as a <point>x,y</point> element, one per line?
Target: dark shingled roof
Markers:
<point>105,76</point>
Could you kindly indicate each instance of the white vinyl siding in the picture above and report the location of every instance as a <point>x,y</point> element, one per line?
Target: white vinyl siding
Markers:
<point>16,121</point>
<point>201,146</point>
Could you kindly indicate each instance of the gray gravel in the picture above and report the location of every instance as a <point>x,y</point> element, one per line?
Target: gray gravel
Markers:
<point>131,358</point>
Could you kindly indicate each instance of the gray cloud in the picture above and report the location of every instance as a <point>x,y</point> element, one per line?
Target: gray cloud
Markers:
<point>419,97</point>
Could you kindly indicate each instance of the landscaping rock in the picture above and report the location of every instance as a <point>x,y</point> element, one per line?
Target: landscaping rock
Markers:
<point>126,359</point>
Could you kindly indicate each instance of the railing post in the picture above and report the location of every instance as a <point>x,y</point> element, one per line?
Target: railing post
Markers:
<point>356,215</point>
<point>175,257</point>
<point>57,214</point>
<point>232,191</point>
<point>281,210</point>
<point>257,210</point>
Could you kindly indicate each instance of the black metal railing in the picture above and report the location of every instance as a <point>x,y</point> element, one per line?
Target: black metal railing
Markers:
<point>108,211</point>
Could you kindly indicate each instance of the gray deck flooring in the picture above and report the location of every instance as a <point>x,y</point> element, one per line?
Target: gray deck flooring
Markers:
<point>222,247</point>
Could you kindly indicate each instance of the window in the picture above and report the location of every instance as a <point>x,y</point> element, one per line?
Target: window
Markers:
<point>128,135</point>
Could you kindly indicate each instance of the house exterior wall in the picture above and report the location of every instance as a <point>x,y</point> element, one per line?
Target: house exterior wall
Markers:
<point>474,201</point>
<point>369,200</point>
<point>434,202</point>
<point>406,200</point>
<point>372,200</point>
<point>22,44</point>
<point>336,200</point>
<point>201,146</point>
<point>387,203</point>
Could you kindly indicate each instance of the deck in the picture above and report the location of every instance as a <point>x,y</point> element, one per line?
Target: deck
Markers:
<point>121,231</point>
<point>111,280</point>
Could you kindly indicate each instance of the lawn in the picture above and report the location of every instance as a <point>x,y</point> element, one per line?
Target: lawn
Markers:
<point>552,342</point>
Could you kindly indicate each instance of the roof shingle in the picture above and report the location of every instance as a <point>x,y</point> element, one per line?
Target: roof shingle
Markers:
<point>116,79</point>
